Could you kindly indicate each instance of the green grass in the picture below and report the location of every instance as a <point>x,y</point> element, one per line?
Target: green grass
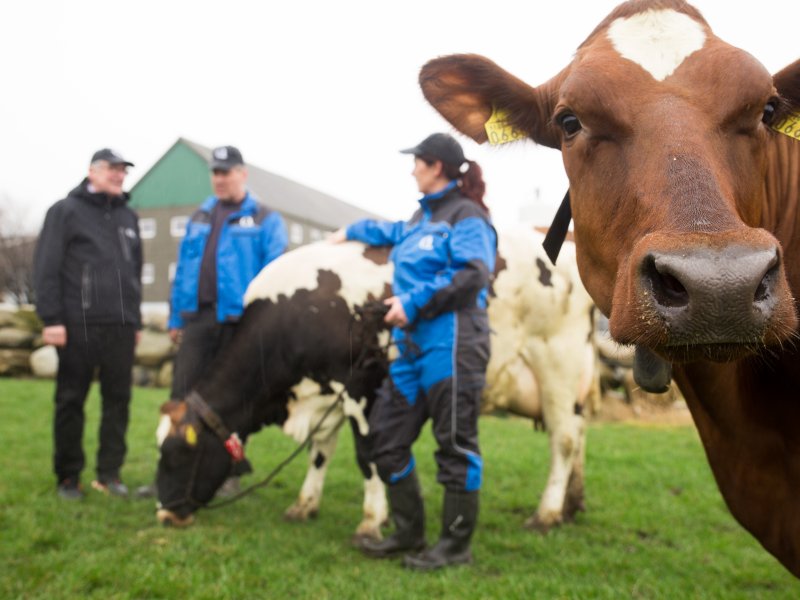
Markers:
<point>655,525</point>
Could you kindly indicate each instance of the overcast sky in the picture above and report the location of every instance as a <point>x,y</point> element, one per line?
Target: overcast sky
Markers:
<point>324,92</point>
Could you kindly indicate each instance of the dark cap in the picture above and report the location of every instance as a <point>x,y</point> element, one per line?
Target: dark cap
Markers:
<point>440,146</point>
<point>112,157</point>
<point>225,158</point>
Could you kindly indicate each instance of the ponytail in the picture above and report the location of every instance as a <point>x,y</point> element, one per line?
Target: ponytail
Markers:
<point>472,184</point>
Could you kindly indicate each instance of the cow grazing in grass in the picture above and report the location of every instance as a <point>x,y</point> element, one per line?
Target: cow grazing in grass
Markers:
<point>687,225</point>
<point>293,352</point>
<point>300,333</point>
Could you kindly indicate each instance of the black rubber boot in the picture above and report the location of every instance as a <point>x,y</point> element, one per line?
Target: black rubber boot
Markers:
<point>459,516</point>
<point>408,514</point>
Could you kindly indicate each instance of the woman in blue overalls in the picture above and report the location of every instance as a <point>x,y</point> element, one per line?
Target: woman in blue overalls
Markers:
<point>443,258</point>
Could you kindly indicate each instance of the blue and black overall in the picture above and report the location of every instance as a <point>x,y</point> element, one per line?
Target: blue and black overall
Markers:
<point>443,258</point>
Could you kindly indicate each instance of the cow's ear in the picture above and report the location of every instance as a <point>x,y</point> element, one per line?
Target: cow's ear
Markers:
<point>466,89</point>
<point>174,409</point>
<point>787,82</point>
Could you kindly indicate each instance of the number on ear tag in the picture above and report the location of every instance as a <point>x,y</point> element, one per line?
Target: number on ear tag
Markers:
<point>498,129</point>
<point>789,125</point>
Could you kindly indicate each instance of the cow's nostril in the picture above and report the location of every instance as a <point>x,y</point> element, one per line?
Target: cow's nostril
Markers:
<point>673,290</point>
<point>763,290</point>
<point>667,289</point>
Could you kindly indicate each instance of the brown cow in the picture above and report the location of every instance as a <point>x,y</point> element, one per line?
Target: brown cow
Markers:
<point>685,203</point>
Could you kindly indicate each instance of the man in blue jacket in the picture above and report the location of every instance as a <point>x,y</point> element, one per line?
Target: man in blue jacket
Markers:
<point>228,240</point>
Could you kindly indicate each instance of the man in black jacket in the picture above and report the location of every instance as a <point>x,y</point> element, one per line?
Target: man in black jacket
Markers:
<point>87,274</point>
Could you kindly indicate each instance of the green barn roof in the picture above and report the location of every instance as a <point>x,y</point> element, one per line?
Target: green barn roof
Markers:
<point>180,178</point>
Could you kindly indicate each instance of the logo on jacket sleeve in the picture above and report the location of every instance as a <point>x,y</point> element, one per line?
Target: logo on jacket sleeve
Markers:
<point>426,243</point>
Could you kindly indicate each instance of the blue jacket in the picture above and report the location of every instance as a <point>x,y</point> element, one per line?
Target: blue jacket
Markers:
<point>443,258</point>
<point>250,239</point>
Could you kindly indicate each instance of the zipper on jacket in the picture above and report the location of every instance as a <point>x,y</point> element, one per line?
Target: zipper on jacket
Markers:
<point>123,242</point>
<point>86,287</point>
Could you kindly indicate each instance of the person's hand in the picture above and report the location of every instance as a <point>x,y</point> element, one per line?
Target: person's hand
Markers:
<point>55,335</point>
<point>138,337</point>
<point>176,335</point>
<point>397,314</point>
<point>338,236</point>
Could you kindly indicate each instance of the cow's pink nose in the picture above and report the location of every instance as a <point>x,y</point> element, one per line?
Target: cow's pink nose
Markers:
<point>712,296</point>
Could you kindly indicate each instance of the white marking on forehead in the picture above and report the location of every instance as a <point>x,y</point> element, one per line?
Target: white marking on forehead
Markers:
<point>164,425</point>
<point>657,40</point>
<point>299,268</point>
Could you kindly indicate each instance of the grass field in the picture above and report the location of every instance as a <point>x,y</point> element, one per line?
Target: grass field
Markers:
<point>655,526</point>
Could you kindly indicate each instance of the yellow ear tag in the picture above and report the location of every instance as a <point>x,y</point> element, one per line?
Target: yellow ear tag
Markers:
<point>498,130</point>
<point>191,435</point>
<point>789,125</point>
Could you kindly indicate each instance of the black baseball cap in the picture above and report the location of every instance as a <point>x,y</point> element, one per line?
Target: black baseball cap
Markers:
<point>441,146</point>
<point>112,157</point>
<point>224,158</point>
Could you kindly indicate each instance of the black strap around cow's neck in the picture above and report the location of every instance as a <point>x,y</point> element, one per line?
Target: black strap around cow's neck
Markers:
<point>209,417</point>
<point>555,236</point>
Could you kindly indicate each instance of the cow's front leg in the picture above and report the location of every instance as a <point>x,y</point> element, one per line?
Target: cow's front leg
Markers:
<point>565,432</point>
<point>574,500</point>
<point>565,385</point>
<point>319,456</point>
<point>565,428</point>
<point>376,509</point>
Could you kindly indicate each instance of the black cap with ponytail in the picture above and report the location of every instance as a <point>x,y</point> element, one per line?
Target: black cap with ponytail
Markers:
<point>445,148</point>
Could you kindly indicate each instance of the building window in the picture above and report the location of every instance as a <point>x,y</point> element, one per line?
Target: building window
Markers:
<point>147,228</point>
<point>148,273</point>
<point>171,272</point>
<point>296,233</point>
<point>315,234</point>
<point>177,226</point>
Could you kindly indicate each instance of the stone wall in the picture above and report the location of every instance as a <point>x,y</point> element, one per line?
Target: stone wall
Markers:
<point>22,353</point>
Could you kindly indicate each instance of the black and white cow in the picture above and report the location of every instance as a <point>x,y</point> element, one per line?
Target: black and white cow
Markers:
<point>301,333</point>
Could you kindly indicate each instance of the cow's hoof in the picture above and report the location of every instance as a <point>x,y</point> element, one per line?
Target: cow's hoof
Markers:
<point>298,513</point>
<point>360,536</point>
<point>368,531</point>
<point>536,523</point>
<point>169,519</point>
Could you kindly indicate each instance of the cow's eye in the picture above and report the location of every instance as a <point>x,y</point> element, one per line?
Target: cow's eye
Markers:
<point>569,123</point>
<point>769,112</point>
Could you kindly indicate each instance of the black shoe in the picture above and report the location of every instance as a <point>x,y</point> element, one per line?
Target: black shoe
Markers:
<point>443,554</point>
<point>70,489</point>
<point>459,517</point>
<point>408,514</point>
<point>111,487</point>
<point>394,545</point>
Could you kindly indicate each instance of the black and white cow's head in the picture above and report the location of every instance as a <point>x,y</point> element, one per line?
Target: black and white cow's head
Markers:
<point>298,329</point>
<point>193,464</point>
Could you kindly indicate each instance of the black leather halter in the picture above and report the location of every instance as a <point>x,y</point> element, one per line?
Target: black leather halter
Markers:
<point>555,236</point>
<point>231,441</point>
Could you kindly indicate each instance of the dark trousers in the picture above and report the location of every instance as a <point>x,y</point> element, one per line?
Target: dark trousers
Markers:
<point>109,350</point>
<point>203,339</point>
<point>453,405</point>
